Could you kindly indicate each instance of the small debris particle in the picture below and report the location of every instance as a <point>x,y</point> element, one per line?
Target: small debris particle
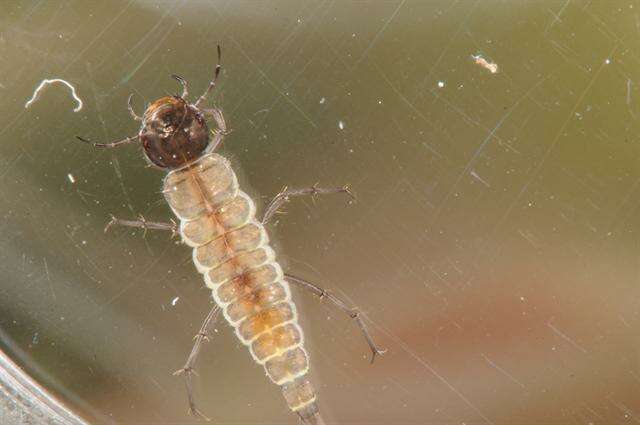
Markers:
<point>490,66</point>
<point>607,61</point>
<point>322,101</point>
<point>441,84</point>
<point>175,301</point>
<point>44,83</point>
<point>71,178</point>
<point>341,125</point>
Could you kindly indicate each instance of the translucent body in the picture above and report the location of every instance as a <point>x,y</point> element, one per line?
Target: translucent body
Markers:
<point>230,248</point>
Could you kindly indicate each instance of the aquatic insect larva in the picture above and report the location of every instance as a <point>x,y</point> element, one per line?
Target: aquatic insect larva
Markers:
<point>230,245</point>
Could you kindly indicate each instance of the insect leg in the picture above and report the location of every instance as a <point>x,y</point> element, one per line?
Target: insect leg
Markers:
<point>219,132</point>
<point>283,197</point>
<point>212,84</point>
<point>142,223</point>
<point>185,85</point>
<point>131,111</point>
<point>351,311</point>
<point>187,370</point>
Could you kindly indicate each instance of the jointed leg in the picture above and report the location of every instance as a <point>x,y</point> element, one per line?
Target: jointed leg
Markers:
<point>212,84</point>
<point>352,312</point>
<point>142,223</point>
<point>185,85</point>
<point>187,370</point>
<point>221,124</point>
<point>284,195</point>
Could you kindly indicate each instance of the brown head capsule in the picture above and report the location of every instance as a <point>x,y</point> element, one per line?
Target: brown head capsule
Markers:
<point>173,133</point>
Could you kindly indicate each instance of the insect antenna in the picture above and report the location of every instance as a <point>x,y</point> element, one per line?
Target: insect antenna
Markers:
<point>212,84</point>
<point>131,111</point>
<point>109,145</point>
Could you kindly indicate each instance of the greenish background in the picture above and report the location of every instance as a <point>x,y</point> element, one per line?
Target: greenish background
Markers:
<point>493,246</point>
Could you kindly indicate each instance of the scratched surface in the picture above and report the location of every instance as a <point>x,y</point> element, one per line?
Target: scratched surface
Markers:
<point>493,247</point>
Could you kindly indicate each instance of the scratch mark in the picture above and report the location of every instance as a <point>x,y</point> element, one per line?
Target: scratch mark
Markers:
<point>628,412</point>
<point>275,87</point>
<point>624,322</point>
<point>480,179</point>
<point>10,166</point>
<point>476,154</point>
<point>407,101</point>
<point>527,236</point>
<point>133,282</point>
<point>504,372</point>
<point>91,43</point>
<point>384,27</point>
<point>156,43</point>
<point>593,412</point>
<point>154,382</point>
<point>46,272</point>
<point>556,17</point>
<point>566,338</point>
<point>452,39</point>
<point>555,140</point>
<point>435,373</point>
<point>116,167</point>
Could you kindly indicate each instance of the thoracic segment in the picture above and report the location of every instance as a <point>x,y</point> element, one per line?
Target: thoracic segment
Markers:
<point>230,248</point>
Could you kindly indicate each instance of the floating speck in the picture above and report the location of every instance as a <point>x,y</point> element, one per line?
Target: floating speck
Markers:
<point>341,125</point>
<point>490,66</point>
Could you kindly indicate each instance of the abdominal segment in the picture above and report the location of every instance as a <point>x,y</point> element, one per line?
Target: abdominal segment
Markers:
<point>230,248</point>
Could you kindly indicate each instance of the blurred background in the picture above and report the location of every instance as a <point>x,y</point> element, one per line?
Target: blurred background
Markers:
<point>493,246</point>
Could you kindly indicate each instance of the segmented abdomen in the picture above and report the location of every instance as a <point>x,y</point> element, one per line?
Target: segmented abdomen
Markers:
<point>230,248</point>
